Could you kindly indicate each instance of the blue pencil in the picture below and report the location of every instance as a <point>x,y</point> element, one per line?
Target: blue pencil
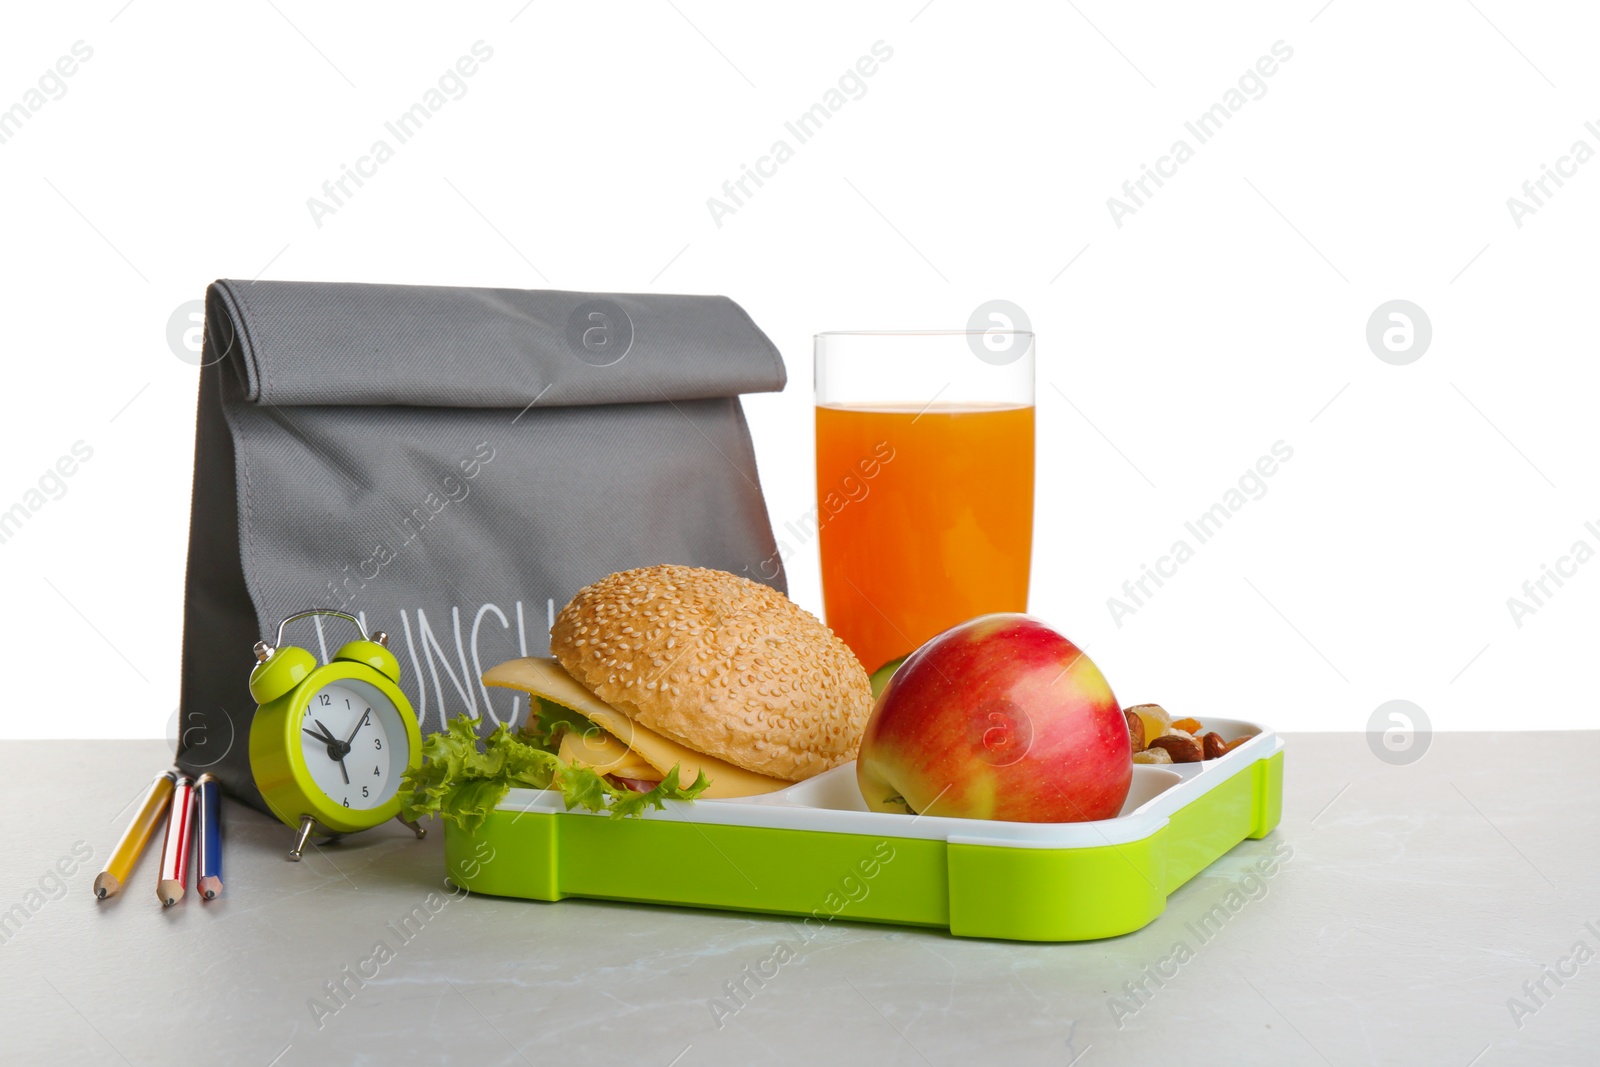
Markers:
<point>209,836</point>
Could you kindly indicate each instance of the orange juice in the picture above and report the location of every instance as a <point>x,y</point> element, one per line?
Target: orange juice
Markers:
<point>926,520</point>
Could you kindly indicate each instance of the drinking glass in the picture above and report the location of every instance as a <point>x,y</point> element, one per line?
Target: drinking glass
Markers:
<point>924,482</point>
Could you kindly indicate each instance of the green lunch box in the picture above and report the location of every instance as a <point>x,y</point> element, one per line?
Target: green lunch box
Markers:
<point>813,850</point>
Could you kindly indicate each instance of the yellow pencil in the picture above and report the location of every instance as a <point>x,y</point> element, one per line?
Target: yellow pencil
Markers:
<point>109,881</point>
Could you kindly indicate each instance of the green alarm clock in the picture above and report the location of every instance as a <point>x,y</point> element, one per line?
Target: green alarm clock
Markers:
<point>329,743</point>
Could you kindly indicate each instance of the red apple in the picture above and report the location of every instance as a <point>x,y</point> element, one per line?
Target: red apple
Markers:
<point>997,718</point>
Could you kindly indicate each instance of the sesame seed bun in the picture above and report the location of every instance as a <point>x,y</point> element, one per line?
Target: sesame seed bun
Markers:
<point>730,667</point>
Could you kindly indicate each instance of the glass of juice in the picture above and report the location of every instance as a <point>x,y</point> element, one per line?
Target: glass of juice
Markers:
<point>924,482</point>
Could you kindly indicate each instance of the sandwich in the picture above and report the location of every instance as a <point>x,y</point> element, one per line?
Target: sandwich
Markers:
<point>700,670</point>
<point>658,677</point>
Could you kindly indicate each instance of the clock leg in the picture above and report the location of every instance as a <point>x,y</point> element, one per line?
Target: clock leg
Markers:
<point>413,827</point>
<point>301,837</point>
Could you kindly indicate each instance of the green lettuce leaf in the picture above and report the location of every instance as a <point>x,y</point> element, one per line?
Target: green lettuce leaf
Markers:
<point>459,780</point>
<point>550,720</point>
<point>627,802</point>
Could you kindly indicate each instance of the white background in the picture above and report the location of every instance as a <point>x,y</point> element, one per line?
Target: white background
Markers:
<point>1227,314</point>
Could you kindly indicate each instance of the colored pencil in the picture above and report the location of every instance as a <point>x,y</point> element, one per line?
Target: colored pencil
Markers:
<point>208,802</point>
<point>175,849</point>
<point>110,881</point>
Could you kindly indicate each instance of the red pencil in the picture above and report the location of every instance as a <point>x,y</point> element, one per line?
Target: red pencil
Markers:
<point>175,849</point>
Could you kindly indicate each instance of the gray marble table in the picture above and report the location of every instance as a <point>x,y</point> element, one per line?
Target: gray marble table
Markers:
<point>1445,912</point>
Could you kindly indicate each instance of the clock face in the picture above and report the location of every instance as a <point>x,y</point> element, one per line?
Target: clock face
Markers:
<point>354,743</point>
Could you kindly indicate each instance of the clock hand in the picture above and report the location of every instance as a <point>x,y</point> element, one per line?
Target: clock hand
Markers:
<point>359,724</point>
<point>324,738</point>
<point>344,746</point>
<point>336,750</point>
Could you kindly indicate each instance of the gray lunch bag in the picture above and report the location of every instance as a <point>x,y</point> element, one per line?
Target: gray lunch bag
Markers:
<point>450,465</point>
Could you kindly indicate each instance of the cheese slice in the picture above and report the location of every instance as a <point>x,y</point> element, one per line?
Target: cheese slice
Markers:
<point>545,678</point>
<point>605,754</point>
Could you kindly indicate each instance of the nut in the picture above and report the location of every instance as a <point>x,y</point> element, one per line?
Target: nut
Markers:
<point>1135,730</point>
<point>1152,755</point>
<point>1214,745</point>
<point>1181,749</point>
